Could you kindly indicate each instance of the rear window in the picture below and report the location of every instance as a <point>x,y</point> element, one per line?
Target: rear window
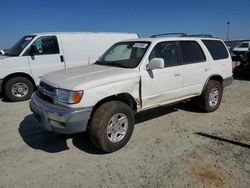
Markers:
<point>191,52</point>
<point>216,48</point>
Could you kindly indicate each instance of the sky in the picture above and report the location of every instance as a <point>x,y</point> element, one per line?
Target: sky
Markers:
<point>145,17</point>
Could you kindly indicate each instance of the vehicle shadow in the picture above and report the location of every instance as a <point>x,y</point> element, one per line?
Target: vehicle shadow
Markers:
<point>154,113</point>
<point>221,139</point>
<point>189,106</point>
<point>34,135</point>
<point>242,77</point>
<point>143,116</point>
<point>3,99</point>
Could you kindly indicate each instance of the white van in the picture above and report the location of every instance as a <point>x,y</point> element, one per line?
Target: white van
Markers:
<point>23,65</point>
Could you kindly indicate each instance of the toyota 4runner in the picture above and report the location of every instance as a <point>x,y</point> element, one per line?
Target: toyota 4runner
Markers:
<point>132,76</point>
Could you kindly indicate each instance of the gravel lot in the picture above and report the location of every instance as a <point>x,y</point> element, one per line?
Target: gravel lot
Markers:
<point>171,147</point>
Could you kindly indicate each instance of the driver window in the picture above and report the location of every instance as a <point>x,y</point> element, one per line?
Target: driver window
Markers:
<point>46,45</point>
<point>166,51</point>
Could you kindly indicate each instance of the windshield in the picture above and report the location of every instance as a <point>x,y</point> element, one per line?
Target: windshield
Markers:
<point>19,46</point>
<point>124,54</point>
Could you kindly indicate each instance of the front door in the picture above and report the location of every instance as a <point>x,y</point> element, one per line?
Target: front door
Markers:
<point>46,56</point>
<point>162,85</point>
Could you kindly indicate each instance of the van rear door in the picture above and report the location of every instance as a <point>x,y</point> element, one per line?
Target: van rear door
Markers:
<point>46,56</point>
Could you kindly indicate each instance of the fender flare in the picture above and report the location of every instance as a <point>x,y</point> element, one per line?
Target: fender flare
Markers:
<point>216,77</point>
<point>22,74</point>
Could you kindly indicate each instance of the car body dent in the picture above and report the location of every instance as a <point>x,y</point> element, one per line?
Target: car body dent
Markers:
<point>97,82</point>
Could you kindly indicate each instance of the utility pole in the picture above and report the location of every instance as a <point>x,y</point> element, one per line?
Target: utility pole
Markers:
<point>228,23</point>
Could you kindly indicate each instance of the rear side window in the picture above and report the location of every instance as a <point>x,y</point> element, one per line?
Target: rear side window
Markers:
<point>191,52</point>
<point>216,48</point>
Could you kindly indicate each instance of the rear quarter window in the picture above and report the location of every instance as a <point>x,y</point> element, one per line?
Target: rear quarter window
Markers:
<point>216,48</point>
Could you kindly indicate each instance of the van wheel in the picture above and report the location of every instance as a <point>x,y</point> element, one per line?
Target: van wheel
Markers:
<point>18,89</point>
<point>210,99</point>
<point>111,126</point>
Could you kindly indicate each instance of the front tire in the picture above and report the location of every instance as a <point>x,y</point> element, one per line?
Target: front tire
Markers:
<point>111,126</point>
<point>210,98</point>
<point>18,89</point>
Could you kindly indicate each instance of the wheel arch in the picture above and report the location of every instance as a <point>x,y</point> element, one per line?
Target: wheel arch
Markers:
<point>216,77</point>
<point>122,97</point>
<point>18,74</point>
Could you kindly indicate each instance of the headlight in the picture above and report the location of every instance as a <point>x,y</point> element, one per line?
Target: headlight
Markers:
<point>69,97</point>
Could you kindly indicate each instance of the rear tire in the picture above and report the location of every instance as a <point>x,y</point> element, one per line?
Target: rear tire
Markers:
<point>111,126</point>
<point>18,89</point>
<point>210,98</point>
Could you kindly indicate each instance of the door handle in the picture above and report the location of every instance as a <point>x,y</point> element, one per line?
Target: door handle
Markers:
<point>177,74</point>
<point>61,58</point>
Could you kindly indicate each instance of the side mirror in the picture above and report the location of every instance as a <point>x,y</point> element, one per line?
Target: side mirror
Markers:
<point>2,52</point>
<point>32,50</point>
<point>155,63</point>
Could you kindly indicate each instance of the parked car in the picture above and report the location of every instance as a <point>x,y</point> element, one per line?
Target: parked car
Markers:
<point>240,50</point>
<point>22,66</point>
<point>130,77</point>
<point>243,69</point>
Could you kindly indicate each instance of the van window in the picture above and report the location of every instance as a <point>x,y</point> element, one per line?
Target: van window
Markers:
<point>46,45</point>
<point>166,51</point>
<point>191,52</point>
<point>216,48</point>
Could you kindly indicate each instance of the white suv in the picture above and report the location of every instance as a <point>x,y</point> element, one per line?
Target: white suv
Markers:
<point>132,76</point>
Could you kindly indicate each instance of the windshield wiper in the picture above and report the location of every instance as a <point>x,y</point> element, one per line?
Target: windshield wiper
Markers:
<point>97,63</point>
<point>115,64</point>
<point>10,55</point>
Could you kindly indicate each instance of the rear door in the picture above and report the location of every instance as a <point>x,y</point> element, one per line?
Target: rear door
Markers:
<point>47,56</point>
<point>195,67</point>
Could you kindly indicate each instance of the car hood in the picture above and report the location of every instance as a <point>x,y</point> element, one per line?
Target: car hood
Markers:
<point>89,76</point>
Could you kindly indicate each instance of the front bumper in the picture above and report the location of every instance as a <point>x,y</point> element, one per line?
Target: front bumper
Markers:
<point>227,81</point>
<point>1,85</point>
<point>58,118</point>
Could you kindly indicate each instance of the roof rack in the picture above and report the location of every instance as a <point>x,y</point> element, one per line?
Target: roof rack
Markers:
<point>201,35</point>
<point>169,35</point>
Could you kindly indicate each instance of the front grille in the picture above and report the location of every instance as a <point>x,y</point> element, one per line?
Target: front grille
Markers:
<point>47,86</point>
<point>46,92</point>
<point>45,97</point>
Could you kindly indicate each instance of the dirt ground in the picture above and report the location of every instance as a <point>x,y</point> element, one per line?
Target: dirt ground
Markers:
<point>171,147</point>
